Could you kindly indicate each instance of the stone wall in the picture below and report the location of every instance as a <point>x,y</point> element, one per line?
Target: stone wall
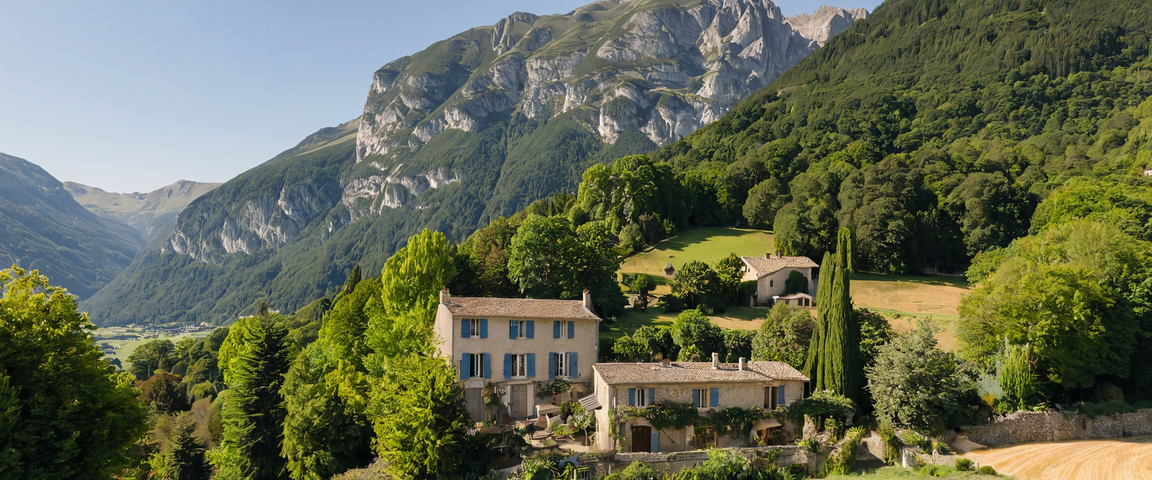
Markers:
<point>1023,427</point>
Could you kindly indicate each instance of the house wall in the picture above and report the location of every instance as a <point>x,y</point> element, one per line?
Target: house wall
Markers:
<point>584,343</point>
<point>774,284</point>
<point>742,395</point>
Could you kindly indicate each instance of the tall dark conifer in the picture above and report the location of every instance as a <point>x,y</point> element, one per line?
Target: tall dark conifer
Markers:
<point>187,461</point>
<point>834,355</point>
<point>254,411</point>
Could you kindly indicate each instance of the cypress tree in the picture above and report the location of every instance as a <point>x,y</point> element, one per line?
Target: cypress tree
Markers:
<point>254,411</point>
<point>834,355</point>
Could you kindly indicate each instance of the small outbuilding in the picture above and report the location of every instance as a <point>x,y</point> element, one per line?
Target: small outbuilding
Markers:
<point>771,273</point>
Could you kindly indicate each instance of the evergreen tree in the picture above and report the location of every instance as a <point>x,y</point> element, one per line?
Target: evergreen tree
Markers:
<point>253,408</point>
<point>834,355</point>
<point>187,461</point>
<point>353,280</point>
<point>322,435</point>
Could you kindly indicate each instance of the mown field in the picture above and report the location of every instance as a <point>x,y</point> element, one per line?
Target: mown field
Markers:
<point>886,473</point>
<point>125,346</point>
<point>1119,459</point>
<point>904,299</point>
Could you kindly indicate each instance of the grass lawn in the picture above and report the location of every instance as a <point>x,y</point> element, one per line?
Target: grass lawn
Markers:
<point>707,245</point>
<point>735,317</point>
<point>125,347</point>
<point>906,299</point>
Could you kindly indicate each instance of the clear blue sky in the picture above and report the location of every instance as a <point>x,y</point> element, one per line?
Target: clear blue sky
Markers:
<point>132,96</point>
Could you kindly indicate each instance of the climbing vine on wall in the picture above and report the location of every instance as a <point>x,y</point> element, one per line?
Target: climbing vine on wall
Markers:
<point>676,416</point>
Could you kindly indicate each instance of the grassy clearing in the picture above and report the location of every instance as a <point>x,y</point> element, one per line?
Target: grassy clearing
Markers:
<point>905,300</point>
<point>707,245</point>
<point>115,336</point>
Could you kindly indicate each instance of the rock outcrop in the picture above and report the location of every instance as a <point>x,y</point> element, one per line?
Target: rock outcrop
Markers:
<point>826,22</point>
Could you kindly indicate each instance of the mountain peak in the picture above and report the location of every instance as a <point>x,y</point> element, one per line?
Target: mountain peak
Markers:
<point>826,22</point>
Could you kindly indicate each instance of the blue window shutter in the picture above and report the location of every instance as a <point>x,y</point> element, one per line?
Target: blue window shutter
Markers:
<point>780,395</point>
<point>507,365</point>
<point>556,329</point>
<point>551,365</point>
<point>465,366</point>
<point>487,365</point>
<point>573,366</point>
<point>651,396</point>
<point>714,398</point>
<point>571,329</point>
<point>464,328</point>
<point>631,397</point>
<point>512,329</point>
<point>483,328</point>
<point>530,329</point>
<point>531,364</point>
<point>655,441</point>
<point>695,397</point>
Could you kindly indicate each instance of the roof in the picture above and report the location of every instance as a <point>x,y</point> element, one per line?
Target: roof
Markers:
<point>589,403</point>
<point>696,372</point>
<point>794,296</point>
<point>518,307</point>
<point>764,266</point>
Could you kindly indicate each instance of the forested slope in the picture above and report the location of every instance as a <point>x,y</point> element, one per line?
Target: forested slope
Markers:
<point>934,129</point>
<point>42,227</point>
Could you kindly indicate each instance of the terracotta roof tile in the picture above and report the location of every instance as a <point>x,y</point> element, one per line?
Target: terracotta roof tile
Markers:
<point>696,372</point>
<point>518,307</point>
<point>764,266</point>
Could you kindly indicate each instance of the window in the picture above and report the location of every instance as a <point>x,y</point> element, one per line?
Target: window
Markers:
<point>476,364</point>
<point>642,397</point>
<point>770,398</point>
<point>771,283</point>
<point>521,328</point>
<point>472,326</point>
<point>703,397</point>
<point>561,364</point>
<point>519,365</point>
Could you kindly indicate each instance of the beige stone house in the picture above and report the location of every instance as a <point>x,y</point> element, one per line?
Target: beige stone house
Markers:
<point>771,272</point>
<point>513,345</point>
<point>709,386</point>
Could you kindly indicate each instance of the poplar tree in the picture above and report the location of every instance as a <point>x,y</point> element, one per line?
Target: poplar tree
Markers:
<point>834,355</point>
<point>253,413</point>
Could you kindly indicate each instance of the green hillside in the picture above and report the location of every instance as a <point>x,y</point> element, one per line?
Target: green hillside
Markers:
<point>43,228</point>
<point>153,214</point>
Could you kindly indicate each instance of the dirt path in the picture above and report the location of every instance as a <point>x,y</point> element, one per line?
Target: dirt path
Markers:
<point>1119,459</point>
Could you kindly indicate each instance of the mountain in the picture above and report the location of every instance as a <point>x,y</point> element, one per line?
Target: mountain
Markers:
<point>474,127</point>
<point>826,22</point>
<point>153,214</point>
<point>42,227</point>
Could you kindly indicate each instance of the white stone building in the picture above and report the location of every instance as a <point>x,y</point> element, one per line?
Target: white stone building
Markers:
<point>709,386</point>
<point>771,272</point>
<point>513,345</point>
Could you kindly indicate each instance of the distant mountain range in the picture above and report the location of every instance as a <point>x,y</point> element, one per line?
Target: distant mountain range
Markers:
<point>42,227</point>
<point>153,214</point>
<point>473,127</point>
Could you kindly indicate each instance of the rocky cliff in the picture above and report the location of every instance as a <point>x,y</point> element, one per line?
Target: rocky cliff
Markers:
<point>826,22</point>
<point>153,214</point>
<point>473,127</point>
<point>42,227</point>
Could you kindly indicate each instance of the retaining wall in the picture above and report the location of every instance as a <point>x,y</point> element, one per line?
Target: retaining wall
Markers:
<point>676,461</point>
<point>1025,427</point>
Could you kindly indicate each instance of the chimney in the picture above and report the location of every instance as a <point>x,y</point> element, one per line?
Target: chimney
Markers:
<point>768,255</point>
<point>445,297</point>
<point>742,363</point>
<point>588,300</point>
<point>715,361</point>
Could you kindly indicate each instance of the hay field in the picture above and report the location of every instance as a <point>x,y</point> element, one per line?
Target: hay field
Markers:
<point>1118,459</point>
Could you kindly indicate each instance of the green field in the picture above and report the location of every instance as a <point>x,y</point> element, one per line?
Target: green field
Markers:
<point>125,346</point>
<point>903,299</point>
<point>885,473</point>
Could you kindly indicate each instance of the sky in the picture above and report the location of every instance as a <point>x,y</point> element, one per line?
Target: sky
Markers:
<point>133,96</point>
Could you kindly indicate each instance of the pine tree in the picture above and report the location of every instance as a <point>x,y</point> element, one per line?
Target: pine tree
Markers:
<point>253,408</point>
<point>187,461</point>
<point>834,355</point>
<point>353,280</point>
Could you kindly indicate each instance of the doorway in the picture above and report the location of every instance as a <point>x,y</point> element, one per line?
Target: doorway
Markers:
<point>641,438</point>
<point>519,404</point>
<point>473,398</point>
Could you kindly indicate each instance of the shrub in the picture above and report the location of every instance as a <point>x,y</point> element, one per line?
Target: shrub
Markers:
<point>635,471</point>
<point>987,470</point>
<point>934,471</point>
<point>845,455</point>
<point>916,440</point>
<point>963,464</point>
<point>891,443</point>
<point>809,444</point>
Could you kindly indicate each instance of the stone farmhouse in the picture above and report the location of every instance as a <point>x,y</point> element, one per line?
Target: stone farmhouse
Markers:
<point>771,272</point>
<point>709,386</point>
<point>509,346</point>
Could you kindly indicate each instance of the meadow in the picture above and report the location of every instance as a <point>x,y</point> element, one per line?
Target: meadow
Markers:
<point>905,300</point>
<point>127,339</point>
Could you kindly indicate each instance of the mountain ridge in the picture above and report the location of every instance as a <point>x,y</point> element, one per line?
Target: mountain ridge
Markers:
<point>42,227</point>
<point>153,214</point>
